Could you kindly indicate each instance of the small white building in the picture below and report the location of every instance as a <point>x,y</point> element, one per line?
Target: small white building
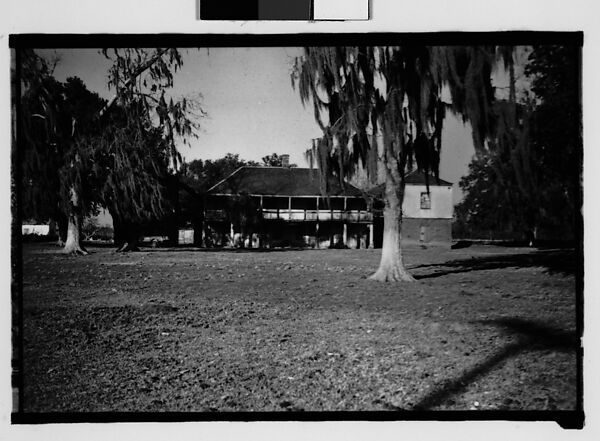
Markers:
<point>37,230</point>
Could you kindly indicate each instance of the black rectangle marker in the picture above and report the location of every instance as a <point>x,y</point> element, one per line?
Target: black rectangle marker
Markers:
<point>229,9</point>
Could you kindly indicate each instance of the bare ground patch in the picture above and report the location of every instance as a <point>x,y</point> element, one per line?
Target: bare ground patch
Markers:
<point>191,330</point>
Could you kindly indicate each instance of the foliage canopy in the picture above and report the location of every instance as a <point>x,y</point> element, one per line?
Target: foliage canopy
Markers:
<point>531,176</point>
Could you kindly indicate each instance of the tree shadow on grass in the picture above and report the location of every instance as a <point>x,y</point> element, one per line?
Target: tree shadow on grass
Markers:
<point>563,262</point>
<point>528,335</point>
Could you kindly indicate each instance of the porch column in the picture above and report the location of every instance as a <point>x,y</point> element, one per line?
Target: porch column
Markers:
<point>203,235</point>
<point>371,245</point>
<point>331,234</point>
<point>261,229</point>
<point>204,222</point>
<point>317,226</point>
<point>345,218</point>
<point>231,233</point>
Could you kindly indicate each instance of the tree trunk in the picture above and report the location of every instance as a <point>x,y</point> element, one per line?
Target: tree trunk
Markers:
<point>72,244</point>
<point>198,232</point>
<point>174,219</point>
<point>58,229</point>
<point>391,267</point>
<point>173,232</point>
<point>532,236</point>
<point>63,226</point>
<point>118,237</point>
<point>129,237</point>
<point>126,234</point>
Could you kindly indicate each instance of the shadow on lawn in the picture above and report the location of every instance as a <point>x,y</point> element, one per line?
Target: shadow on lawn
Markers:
<point>563,262</point>
<point>529,336</point>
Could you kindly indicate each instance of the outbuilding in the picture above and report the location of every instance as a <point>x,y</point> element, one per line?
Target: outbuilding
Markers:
<point>426,213</point>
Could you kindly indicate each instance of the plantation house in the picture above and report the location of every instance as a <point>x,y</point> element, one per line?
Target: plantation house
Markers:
<point>293,210</point>
<point>284,206</point>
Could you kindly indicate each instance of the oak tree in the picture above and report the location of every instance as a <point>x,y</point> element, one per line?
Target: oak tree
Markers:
<point>396,93</point>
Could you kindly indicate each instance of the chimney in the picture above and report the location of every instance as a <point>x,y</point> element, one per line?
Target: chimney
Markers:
<point>285,160</point>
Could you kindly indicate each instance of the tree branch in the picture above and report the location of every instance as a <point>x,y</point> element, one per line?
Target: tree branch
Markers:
<point>137,73</point>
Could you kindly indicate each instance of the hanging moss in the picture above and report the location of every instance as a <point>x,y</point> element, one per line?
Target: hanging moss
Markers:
<point>408,111</point>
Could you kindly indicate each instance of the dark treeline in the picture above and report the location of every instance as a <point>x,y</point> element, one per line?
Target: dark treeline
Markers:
<point>527,185</point>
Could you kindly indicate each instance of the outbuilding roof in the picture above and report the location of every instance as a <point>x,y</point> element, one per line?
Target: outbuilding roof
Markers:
<point>281,181</point>
<point>418,178</point>
<point>413,178</point>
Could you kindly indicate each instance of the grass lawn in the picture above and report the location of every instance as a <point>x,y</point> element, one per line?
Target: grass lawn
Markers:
<point>190,330</point>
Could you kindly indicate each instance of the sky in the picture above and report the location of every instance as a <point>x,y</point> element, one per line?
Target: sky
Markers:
<point>252,108</point>
<point>246,92</point>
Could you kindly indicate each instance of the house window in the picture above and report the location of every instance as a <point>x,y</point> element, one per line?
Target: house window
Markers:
<point>425,201</point>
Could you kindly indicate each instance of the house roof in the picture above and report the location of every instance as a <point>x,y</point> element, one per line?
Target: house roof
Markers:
<point>281,181</point>
<point>418,178</point>
<point>413,178</point>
